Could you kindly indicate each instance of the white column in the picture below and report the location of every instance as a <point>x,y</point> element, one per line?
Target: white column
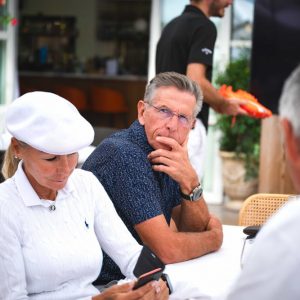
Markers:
<point>155,31</point>
<point>11,75</point>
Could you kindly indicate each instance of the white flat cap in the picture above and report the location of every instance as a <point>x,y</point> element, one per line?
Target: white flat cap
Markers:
<point>48,123</point>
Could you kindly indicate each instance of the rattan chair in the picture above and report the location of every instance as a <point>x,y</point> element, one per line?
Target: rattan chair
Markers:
<point>259,207</point>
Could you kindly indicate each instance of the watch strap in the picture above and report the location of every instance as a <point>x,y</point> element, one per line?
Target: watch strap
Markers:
<point>194,195</point>
<point>184,196</point>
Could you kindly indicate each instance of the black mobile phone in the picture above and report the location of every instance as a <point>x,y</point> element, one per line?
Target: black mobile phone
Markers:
<point>147,277</point>
<point>251,231</point>
<point>146,262</point>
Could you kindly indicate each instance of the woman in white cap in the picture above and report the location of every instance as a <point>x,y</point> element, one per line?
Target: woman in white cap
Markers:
<point>53,224</point>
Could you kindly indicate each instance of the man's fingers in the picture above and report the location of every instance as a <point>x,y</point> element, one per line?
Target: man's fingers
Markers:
<point>167,141</point>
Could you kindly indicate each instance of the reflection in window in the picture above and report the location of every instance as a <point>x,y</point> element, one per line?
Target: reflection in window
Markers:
<point>242,19</point>
<point>242,26</point>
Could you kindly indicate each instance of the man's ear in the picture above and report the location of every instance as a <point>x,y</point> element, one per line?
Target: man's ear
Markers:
<point>193,124</point>
<point>291,141</point>
<point>141,107</point>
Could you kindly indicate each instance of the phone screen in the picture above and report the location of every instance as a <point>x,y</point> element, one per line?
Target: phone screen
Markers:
<point>147,277</point>
<point>147,261</point>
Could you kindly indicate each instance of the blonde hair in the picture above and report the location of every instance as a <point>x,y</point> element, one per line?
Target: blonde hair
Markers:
<point>10,163</point>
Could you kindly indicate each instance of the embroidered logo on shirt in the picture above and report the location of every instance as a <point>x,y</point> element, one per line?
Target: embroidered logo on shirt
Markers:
<point>86,224</point>
<point>206,51</point>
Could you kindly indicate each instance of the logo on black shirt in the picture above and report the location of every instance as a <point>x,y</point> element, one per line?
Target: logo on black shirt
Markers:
<point>206,51</point>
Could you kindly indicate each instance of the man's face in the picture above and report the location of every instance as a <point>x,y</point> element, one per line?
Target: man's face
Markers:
<point>217,7</point>
<point>170,115</point>
<point>291,144</point>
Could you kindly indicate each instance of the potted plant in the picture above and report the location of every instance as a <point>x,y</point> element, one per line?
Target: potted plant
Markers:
<point>239,140</point>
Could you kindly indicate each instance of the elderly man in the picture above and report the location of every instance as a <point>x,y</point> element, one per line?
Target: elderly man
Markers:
<point>146,172</point>
<point>272,268</point>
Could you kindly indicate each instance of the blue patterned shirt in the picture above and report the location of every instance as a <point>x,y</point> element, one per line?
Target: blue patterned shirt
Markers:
<point>120,163</point>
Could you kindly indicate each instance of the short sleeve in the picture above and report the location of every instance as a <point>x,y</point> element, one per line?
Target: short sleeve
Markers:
<point>202,45</point>
<point>129,181</point>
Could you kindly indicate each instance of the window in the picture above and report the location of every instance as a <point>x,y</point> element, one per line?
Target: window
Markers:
<point>8,78</point>
<point>3,38</point>
<point>242,25</point>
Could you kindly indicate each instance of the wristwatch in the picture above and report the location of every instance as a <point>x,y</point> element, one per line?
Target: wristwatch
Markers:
<point>194,195</point>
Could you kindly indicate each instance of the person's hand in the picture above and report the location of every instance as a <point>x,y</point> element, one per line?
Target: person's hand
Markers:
<point>232,107</point>
<point>215,225</point>
<point>175,162</point>
<point>154,290</point>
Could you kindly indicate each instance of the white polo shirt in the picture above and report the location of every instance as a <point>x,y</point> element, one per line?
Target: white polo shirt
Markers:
<point>56,254</point>
<point>272,268</point>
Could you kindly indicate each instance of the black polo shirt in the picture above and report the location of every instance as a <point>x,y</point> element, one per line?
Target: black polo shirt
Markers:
<point>189,38</point>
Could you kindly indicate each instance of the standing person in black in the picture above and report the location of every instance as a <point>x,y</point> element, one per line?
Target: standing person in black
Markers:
<point>186,46</point>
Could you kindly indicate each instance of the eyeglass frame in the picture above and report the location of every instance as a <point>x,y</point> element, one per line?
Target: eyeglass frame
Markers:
<point>171,113</point>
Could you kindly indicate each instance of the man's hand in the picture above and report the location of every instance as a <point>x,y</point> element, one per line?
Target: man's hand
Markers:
<point>232,107</point>
<point>154,290</point>
<point>175,162</point>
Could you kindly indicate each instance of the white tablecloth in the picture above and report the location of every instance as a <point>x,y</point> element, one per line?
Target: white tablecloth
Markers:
<point>212,275</point>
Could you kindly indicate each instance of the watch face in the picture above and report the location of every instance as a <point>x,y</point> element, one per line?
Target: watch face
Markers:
<point>197,193</point>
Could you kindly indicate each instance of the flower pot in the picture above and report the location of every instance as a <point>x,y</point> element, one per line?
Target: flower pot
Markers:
<point>236,188</point>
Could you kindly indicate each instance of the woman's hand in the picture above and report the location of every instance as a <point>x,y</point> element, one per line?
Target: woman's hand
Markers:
<point>154,290</point>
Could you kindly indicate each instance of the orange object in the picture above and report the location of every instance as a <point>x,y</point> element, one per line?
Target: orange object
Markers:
<point>252,107</point>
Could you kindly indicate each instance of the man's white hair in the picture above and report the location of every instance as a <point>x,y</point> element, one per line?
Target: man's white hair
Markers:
<point>289,103</point>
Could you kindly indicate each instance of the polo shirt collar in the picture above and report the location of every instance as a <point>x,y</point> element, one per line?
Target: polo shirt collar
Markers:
<point>28,194</point>
<point>139,136</point>
<point>193,9</point>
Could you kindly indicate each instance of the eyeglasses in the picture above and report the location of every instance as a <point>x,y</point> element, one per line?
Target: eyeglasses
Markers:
<point>166,114</point>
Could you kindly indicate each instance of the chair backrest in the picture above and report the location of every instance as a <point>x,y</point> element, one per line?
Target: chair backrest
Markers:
<point>101,133</point>
<point>107,100</point>
<point>74,95</point>
<point>258,208</point>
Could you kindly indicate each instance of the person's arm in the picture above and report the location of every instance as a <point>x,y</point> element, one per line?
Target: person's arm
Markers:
<point>198,231</point>
<point>171,246</point>
<point>196,72</point>
<point>12,270</point>
<point>112,234</point>
<point>189,216</point>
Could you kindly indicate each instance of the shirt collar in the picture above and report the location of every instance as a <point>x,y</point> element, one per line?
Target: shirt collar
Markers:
<point>28,194</point>
<point>138,136</point>
<point>193,9</point>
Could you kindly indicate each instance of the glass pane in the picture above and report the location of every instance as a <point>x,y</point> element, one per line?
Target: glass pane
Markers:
<point>171,9</point>
<point>3,15</point>
<point>243,11</point>
<point>2,66</point>
<point>237,52</point>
